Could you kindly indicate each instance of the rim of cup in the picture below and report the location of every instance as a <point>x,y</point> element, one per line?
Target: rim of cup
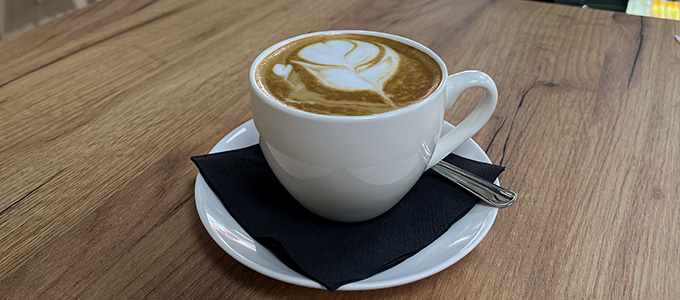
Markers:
<point>276,104</point>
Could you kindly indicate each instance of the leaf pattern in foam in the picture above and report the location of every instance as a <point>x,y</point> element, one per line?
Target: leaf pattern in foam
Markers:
<point>351,65</point>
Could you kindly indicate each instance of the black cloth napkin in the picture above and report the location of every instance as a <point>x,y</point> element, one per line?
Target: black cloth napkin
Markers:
<point>335,253</point>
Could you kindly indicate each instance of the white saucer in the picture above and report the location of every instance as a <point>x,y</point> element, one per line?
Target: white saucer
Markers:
<point>453,245</point>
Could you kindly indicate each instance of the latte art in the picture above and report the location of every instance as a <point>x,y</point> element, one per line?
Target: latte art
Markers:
<point>347,65</point>
<point>348,74</point>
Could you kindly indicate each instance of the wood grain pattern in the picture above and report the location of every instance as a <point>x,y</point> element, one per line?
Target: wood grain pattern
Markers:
<point>100,111</point>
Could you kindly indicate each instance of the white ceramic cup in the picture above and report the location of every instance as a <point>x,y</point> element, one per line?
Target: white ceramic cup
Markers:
<point>354,168</point>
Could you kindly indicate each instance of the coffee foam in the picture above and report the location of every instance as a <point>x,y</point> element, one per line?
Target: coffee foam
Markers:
<point>348,74</point>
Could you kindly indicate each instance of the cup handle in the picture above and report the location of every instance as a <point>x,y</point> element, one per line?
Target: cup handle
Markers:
<point>455,85</point>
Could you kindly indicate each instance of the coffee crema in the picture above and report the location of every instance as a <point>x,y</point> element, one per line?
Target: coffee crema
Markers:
<point>348,74</point>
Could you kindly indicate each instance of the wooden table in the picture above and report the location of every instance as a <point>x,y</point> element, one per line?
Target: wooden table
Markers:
<point>100,111</point>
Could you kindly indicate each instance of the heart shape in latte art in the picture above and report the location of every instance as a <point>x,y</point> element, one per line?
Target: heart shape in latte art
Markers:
<point>348,65</point>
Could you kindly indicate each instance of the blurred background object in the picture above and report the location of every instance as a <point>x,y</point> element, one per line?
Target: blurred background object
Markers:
<point>615,5</point>
<point>672,10</point>
<point>666,9</point>
<point>17,16</point>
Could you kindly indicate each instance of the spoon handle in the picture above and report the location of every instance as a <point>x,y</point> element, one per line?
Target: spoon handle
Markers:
<point>486,191</point>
